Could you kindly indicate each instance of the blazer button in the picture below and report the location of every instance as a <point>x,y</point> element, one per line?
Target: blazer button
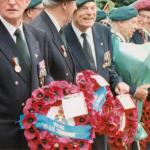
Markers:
<point>67,74</point>
<point>22,104</point>
<point>16,82</point>
<point>101,43</point>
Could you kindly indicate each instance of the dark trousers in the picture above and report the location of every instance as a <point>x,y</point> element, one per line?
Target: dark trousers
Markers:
<point>135,147</point>
<point>100,143</point>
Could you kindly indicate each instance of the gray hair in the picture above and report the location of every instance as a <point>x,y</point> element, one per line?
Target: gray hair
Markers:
<point>49,3</point>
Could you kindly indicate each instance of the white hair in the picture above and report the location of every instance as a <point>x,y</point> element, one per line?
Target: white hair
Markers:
<point>49,3</point>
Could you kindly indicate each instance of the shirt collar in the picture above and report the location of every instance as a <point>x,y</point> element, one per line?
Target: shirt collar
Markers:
<point>122,39</point>
<point>58,27</point>
<point>11,29</point>
<point>78,32</point>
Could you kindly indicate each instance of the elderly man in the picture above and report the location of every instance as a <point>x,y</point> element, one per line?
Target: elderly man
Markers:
<point>22,52</point>
<point>123,22</point>
<point>34,9</point>
<point>91,47</point>
<point>143,7</point>
<point>58,13</point>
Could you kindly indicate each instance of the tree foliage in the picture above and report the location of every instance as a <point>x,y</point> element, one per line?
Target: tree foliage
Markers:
<point>118,3</point>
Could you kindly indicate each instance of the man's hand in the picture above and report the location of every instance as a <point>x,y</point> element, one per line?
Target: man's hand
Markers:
<point>122,88</point>
<point>141,92</point>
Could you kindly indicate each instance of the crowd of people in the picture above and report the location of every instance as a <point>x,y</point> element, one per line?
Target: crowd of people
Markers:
<point>43,41</point>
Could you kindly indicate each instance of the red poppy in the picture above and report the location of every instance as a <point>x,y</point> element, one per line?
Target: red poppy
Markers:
<point>28,106</point>
<point>82,120</point>
<point>45,137</point>
<point>31,133</point>
<point>29,120</point>
<point>39,107</point>
<point>56,93</point>
<point>33,144</point>
<point>38,94</point>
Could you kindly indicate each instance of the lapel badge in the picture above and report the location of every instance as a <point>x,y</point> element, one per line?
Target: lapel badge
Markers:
<point>15,62</point>
<point>36,55</point>
<point>42,72</point>
<point>64,50</point>
<point>107,59</point>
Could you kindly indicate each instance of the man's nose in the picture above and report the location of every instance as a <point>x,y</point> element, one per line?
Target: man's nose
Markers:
<point>12,2</point>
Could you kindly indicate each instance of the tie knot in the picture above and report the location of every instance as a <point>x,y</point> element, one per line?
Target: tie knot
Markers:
<point>17,32</point>
<point>83,35</point>
<point>61,31</point>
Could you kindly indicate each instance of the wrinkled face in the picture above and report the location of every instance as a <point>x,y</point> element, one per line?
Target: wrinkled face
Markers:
<point>140,23</point>
<point>128,27</point>
<point>70,8</point>
<point>145,17</point>
<point>84,17</point>
<point>12,10</point>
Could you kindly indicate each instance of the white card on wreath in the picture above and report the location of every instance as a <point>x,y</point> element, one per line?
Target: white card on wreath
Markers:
<point>100,80</point>
<point>52,115</point>
<point>126,101</point>
<point>74,105</point>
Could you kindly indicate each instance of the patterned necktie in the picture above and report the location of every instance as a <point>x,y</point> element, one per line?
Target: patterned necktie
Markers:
<point>22,47</point>
<point>62,34</point>
<point>88,51</point>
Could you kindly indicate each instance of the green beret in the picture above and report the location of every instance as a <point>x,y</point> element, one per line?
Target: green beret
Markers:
<point>34,3</point>
<point>100,14</point>
<point>82,2</point>
<point>123,13</point>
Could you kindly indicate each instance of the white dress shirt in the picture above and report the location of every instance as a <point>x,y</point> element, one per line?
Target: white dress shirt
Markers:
<point>89,38</point>
<point>11,29</point>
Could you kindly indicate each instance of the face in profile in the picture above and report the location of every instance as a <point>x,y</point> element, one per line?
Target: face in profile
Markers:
<point>84,17</point>
<point>12,10</point>
<point>128,27</point>
<point>31,13</point>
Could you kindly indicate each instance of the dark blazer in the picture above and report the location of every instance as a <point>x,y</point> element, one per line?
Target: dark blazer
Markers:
<point>103,44</point>
<point>137,37</point>
<point>16,87</point>
<point>61,67</point>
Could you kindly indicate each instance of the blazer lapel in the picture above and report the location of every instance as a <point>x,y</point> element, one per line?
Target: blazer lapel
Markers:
<point>9,49</point>
<point>51,27</point>
<point>99,49</point>
<point>34,51</point>
<point>56,37</point>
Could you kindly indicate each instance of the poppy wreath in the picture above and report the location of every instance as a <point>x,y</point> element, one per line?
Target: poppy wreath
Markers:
<point>123,138</point>
<point>42,132</point>
<point>87,81</point>
<point>111,118</point>
<point>146,124</point>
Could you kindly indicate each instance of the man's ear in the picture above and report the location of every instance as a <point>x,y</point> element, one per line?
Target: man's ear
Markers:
<point>120,23</point>
<point>29,13</point>
<point>64,5</point>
